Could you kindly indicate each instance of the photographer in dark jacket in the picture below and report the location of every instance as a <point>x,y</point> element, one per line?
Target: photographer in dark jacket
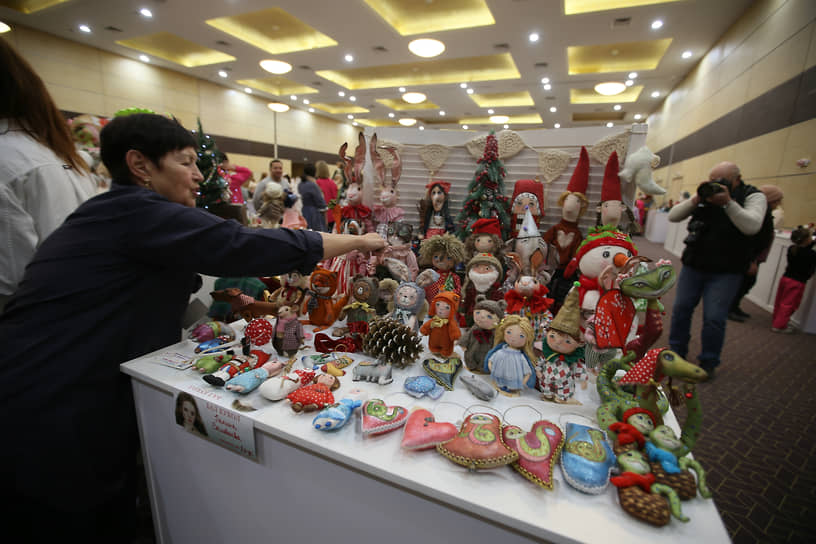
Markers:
<point>725,214</point>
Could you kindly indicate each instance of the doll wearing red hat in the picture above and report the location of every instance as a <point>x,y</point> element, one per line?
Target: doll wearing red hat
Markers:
<point>528,194</point>
<point>442,330</point>
<point>485,237</point>
<point>611,208</point>
<point>434,216</point>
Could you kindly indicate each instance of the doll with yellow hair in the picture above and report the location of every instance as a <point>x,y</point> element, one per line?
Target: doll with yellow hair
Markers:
<point>510,362</point>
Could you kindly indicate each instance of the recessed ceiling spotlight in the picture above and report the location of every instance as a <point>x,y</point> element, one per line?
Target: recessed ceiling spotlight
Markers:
<point>490,112</point>
<point>610,124</point>
<point>144,12</point>
<point>533,37</point>
<point>354,124</point>
<point>499,119</point>
<point>350,116</point>
<point>414,98</point>
<point>632,75</point>
<point>442,113</point>
<point>545,80</point>
<point>349,58</point>
<point>144,58</point>
<point>407,122</point>
<point>353,98</point>
<point>276,66</point>
<point>470,91</point>
<point>341,93</point>
<point>629,82</point>
<point>401,89</point>
<point>657,23</point>
<point>655,94</point>
<point>465,127</point>
<point>638,116</point>
<point>616,107</point>
<point>686,54</point>
<point>4,27</point>
<point>222,73</point>
<point>506,126</point>
<point>421,127</point>
<point>311,110</point>
<point>278,107</point>
<point>292,97</point>
<point>306,101</point>
<point>610,88</point>
<point>247,90</point>
<point>84,28</point>
<point>547,87</point>
<point>463,85</point>
<point>426,47</point>
<point>391,115</point>
<point>557,125</point>
<point>553,109</point>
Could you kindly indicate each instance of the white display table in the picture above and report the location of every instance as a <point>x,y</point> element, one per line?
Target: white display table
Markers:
<point>311,486</point>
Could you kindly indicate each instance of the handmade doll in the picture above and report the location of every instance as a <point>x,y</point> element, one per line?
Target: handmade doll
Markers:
<point>235,366</point>
<point>612,208</point>
<point>631,432</point>
<point>443,253</point>
<point>409,306</point>
<point>561,364</point>
<point>385,304</point>
<point>442,330</point>
<point>640,495</point>
<point>288,336</point>
<point>483,277</point>
<point>434,216</point>
<point>478,339</point>
<point>292,218</point>
<point>353,171</point>
<point>319,302</point>
<point>350,264</point>
<point>247,382</point>
<point>529,255</point>
<point>485,237</point>
<point>387,211</point>
<point>565,235</point>
<point>270,211</point>
<point>361,308</point>
<point>605,252</point>
<point>510,362</point>
<point>399,235</point>
<point>528,195</point>
<point>292,290</point>
<point>316,395</point>
<point>279,387</point>
<point>528,298</point>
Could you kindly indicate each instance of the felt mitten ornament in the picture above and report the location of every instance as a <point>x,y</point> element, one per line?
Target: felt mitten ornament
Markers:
<point>479,444</point>
<point>538,450</point>
<point>587,459</point>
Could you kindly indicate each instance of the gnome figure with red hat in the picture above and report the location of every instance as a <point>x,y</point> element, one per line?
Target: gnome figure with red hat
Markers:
<point>485,237</point>
<point>611,208</point>
<point>434,216</point>
<point>483,276</point>
<point>528,194</point>
<point>565,235</point>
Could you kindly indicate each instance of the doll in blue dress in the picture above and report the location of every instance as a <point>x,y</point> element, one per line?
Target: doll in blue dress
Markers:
<point>510,362</point>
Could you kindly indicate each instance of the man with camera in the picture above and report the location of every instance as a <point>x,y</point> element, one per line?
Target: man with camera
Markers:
<point>725,215</point>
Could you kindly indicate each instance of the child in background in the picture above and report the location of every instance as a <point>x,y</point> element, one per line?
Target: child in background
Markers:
<point>801,266</point>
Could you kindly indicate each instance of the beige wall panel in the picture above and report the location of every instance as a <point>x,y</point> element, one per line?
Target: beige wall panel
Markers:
<point>174,100</point>
<point>800,201</point>
<point>76,76</point>
<point>116,67</point>
<point>72,99</point>
<point>781,64</point>
<point>788,20</point>
<point>737,63</point>
<point>761,157</point>
<point>32,43</point>
<point>112,104</point>
<point>186,118</point>
<point>139,92</point>
<point>750,21</point>
<point>801,144</point>
<point>730,97</point>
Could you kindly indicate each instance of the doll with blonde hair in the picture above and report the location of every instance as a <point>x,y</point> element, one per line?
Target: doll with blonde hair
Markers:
<point>510,362</point>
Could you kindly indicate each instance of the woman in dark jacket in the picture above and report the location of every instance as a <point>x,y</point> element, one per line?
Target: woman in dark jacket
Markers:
<point>314,205</point>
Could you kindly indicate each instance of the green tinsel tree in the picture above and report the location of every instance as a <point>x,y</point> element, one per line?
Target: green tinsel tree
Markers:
<point>214,189</point>
<point>486,193</point>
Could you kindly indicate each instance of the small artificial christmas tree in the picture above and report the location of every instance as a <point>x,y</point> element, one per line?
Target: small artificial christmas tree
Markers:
<point>486,193</point>
<point>214,189</point>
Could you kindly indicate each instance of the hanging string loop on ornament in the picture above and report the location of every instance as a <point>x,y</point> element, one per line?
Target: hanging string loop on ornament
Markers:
<point>456,408</point>
<point>481,408</point>
<point>521,421</point>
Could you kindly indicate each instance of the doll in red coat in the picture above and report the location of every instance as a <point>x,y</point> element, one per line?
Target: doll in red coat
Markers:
<point>442,330</point>
<point>316,395</point>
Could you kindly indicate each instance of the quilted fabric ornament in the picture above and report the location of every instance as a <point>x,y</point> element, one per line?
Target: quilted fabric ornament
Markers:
<point>479,444</point>
<point>444,371</point>
<point>420,386</point>
<point>259,331</point>
<point>587,459</point>
<point>614,316</point>
<point>537,450</point>
<point>423,432</point>
<point>379,418</point>
<point>335,416</point>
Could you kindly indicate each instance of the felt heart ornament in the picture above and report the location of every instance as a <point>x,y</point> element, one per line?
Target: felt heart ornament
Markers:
<point>587,458</point>
<point>614,316</point>
<point>478,444</point>
<point>537,449</point>
<point>422,432</point>
<point>444,372</point>
<point>379,418</point>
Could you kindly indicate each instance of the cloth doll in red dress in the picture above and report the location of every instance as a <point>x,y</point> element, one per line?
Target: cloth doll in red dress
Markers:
<point>443,253</point>
<point>528,298</point>
<point>316,395</point>
<point>528,194</point>
<point>483,276</point>
<point>442,330</point>
<point>353,171</point>
<point>434,216</point>
<point>385,191</point>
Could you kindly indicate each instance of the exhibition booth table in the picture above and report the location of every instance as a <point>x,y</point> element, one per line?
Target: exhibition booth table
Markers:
<point>267,475</point>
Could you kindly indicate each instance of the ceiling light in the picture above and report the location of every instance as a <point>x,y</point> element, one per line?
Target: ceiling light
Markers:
<point>421,127</point>
<point>311,110</point>
<point>463,85</point>
<point>306,101</point>
<point>499,119</point>
<point>557,125</point>
<point>353,98</point>
<point>465,127</point>
<point>426,47</point>
<point>292,97</point>
<point>222,73</point>
<point>470,91</point>
<point>442,113</point>
<point>278,107</point>
<point>545,80</point>
<point>506,126</point>
<point>547,87</point>
<point>655,94</point>
<point>144,58</point>
<point>686,54</point>
<point>616,107</point>
<point>4,27</point>
<point>276,66</point>
<point>350,116</point>
<point>349,58</point>
<point>632,75</point>
<point>533,37</point>
<point>354,124</point>
<point>490,112</point>
<point>610,124</point>
<point>85,28</point>
<point>401,89</point>
<point>553,109</point>
<point>391,115</point>
<point>657,23</point>
<point>629,83</point>
<point>414,98</point>
<point>638,116</point>
<point>146,13</point>
<point>407,122</point>
<point>341,93</point>
<point>610,88</point>
<point>247,90</point>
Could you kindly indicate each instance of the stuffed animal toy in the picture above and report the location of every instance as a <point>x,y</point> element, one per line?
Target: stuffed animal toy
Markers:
<point>565,235</point>
<point>387,211</point>
<point>335,416</point>
<point>442,330</point>
<point>399,235</point>
<point>478,339</point>
<point>611,208</point>
<point>637,174</point>
<point>315,396</point>
<point>434,216</point>
<point>483,277</point>
<point>510,362</point>
<point>485,237</point>
<point>350,264</point>
<point>288,332</point>
<point>353,172</point>
<point>319,302</point>
<point>361,308</point>
<point>528,298</point>
<point>562,365</point>
<point>292,290</point>
<point>528,195</point>
<point>529,255</point>
<point>410,306</point>
<point>443,253</point>
<point>388,288</point>
<point>272,206</point>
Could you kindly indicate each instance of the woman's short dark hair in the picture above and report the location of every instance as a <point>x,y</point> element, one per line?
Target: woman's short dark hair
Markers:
<point>152,135</point>
<point>309,170</point>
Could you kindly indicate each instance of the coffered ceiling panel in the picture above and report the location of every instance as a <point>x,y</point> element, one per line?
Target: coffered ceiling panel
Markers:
<point>410,17</point>
<point>176,49</point>
<point>616,57</point>
<point>30,6</point>
<point>498,100</point>
<point>339,107</point>
<point>572,7</point>
<point>589,96</point>
<point>279,86</point>
<point>402,105</point>
<point>524,119</point>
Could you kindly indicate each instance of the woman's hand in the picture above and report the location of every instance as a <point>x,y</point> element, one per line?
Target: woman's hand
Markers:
<point>371,242</point>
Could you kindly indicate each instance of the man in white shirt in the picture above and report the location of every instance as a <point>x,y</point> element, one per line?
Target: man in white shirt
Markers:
<point>276,175</point>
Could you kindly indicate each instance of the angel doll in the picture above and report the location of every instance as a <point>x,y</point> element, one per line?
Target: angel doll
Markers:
<point>510,362</point>
<point>434,217</point>
<point>387,211</point>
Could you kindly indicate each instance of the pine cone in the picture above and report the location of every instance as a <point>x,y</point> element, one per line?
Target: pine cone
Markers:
<point>392,342</point>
